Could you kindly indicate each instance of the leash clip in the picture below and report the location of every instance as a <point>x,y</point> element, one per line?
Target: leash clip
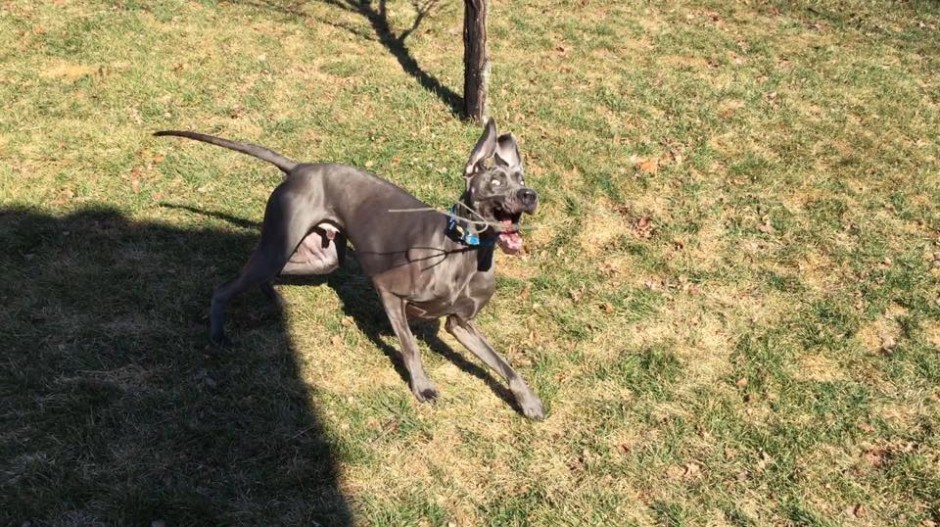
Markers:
<point>462,233</point>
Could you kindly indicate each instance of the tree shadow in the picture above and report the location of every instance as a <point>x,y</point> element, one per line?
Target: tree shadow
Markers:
<point>116,412</point>
<point>376,13</point>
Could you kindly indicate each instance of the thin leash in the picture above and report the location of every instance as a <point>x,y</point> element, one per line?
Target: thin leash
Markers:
<point>479,225</point>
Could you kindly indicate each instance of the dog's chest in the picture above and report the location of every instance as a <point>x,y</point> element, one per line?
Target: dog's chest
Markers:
<point>457,290</point>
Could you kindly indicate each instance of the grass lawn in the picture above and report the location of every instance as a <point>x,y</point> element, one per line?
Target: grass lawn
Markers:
<point>729,299</point>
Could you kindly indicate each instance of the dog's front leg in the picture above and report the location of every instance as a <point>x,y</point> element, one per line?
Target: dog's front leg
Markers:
<point>468,335</point>
<point>421,386</point>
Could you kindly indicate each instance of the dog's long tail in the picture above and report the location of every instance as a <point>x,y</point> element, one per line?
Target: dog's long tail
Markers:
<point>285,164</point>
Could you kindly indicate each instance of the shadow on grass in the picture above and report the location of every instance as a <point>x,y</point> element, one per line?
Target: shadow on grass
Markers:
<point>361,303</point>
<point>114,409</point>
<point>376,13</point>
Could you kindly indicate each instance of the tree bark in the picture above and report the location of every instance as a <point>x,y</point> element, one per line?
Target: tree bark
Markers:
<point>476,59</point>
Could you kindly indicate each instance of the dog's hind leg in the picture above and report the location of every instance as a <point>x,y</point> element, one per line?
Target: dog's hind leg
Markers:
<point>468,335</point>
<point>320,252</point>
<point>281,233</point>
<point>259,271</point>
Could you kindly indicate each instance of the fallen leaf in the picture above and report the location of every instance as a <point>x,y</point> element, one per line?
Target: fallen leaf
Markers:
<point>645,227</point>
<point>765,460</point>
<point>648,166</point>
<point>577,464</point>
<point>676,157</point>
<point>526,291</point>
<point>766,227</point>
<point>675,472</point>
<point>888,344</point>
<point>875,456</point>
<point>854,511</point>
<point>576,294</point>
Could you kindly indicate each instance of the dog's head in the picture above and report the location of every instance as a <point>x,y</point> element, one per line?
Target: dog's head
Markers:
<point>496,187</point>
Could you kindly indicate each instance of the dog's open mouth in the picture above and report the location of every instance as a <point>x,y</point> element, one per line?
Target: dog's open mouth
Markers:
<point>509,240</point>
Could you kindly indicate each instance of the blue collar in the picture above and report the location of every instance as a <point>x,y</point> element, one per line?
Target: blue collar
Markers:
<point>461,234</point>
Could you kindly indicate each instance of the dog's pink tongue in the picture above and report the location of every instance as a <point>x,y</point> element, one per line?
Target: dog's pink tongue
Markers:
<point>509,241</point>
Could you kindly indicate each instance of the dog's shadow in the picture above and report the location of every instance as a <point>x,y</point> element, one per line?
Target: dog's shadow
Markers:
<point>362,305</point>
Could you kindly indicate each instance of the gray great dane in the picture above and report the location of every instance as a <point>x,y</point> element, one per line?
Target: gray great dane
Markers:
<point>424,264</point>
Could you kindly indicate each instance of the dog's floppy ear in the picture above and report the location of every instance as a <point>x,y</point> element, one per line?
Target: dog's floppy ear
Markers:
<point>484,149</point>
<point>507,152</point>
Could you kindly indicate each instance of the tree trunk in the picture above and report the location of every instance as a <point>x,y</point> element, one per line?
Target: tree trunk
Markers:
<point>476,60</point>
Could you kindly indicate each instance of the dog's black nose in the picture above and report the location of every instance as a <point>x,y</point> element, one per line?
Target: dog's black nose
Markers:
<point>527,197</point>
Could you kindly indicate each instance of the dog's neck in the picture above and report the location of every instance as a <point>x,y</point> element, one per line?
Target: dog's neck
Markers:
<point>463,228</point>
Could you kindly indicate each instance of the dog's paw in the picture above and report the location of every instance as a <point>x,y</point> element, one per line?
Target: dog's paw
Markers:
<point>533,409</point>
<point>423,388</point>
<point>528,402</point>
<point>427,394</point>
